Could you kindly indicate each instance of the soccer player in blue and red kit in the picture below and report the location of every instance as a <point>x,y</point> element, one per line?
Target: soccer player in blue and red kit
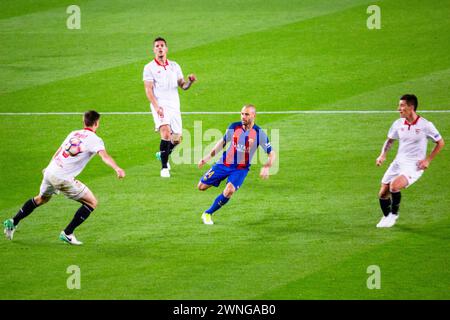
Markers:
<point>244,137</point>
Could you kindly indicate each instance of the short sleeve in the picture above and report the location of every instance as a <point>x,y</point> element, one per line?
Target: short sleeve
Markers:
<point>393,132</point>
<point>432,133</point>
<point>148,75</point>
<point>97,145</point>
<point>228,134</point>
<point>179,72</point>
<point>263,141</point>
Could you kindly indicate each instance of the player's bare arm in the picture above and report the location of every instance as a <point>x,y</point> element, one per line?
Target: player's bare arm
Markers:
<point>183,84</point>
<point>110,162</point>
<point>265,169</point>
<point>384,150</point>
<point>425,163</point>
<point>217,148</point>
<point>151,97</point>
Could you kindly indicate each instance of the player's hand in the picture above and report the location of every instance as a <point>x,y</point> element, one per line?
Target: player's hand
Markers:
<point>120,173</point>
<point>264,173</point>
<point>423,164</point>
<point>160,112</point>
<point>192,77</point>
<point>380,160</point>
<point>201,163</point>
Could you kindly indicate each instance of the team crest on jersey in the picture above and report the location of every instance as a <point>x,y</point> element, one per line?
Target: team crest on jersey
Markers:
<point>250,142</point>
<point>417,131</point>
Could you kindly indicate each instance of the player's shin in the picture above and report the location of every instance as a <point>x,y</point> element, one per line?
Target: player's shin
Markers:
<point>82,214</point>
<point>172,146</point>
<point>164,148</point>
<point>385,205</point>
<point>396,197</point>
<point>218,203</point>
<point>26,209</point>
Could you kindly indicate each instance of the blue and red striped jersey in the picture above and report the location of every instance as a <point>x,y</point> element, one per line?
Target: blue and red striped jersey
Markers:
<point>243,144</point>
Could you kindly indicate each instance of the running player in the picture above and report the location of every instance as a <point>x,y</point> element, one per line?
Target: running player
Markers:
<point>244,137</point>
<point>59,176</point>
<point>413,133</point>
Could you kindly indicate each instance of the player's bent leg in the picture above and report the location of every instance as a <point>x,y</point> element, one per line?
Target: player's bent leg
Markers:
<point>218,203</point>
<point>28,207</point>
<point>174,141</point>
<point>176,138</point>
<point>89,199</point>
<point>89,203</point>
<point>164,132</point>
<point>384,197</point>
<point>229,190</point>
<point>202,186</point>
<point>164,149</point>
<point>399,183</point>
<point>384,191</point>
<point>41,199</point>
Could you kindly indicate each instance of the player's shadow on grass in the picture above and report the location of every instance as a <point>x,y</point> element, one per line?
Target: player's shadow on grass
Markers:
<point>436,232</point>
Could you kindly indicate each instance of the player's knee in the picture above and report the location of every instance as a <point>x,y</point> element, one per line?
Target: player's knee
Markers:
<point>40,200</point>
<point>201,187</point>
<point>165,132</point>
<point>383,194</point>
<point>94,203</point>
<point>176,139</point>
<point>229,191</point>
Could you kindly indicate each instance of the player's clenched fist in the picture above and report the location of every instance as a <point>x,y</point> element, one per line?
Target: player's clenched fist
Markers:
<point>201,163</point>
<point>380,160</point>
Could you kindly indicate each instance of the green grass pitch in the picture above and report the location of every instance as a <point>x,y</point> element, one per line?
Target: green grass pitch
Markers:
<point>306,233</point>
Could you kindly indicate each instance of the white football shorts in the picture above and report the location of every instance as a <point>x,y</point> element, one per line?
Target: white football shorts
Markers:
<point>171,117</point>
<point>407,169</point>
<point>72,189</point>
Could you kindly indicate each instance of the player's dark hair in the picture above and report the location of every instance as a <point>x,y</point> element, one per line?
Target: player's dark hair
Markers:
<point>411,100</point>
<point>160,39</point>
<point>90,117</point>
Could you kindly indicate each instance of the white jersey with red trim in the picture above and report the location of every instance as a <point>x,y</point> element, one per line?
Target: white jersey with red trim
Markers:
<point>165,82</point>
<point>74,154</point>
<point>413,138</point>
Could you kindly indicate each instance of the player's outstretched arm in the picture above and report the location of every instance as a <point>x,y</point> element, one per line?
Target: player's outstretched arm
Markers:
<point>217,148</point>
<point>187,84</point>
<point>386,147</point>
<point>110,162</point>
<point>265,169</point>
<point>423,164</point>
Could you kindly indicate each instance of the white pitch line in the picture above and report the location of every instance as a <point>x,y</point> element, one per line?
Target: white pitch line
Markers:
<point>220,112</point>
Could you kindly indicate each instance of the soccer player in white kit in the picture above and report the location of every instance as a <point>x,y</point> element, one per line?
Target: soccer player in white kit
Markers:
<point>59,177</point>
<point>162,79</point>
<point>413,133</point>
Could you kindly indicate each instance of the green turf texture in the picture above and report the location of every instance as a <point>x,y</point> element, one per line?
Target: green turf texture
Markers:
<point>306,233</point>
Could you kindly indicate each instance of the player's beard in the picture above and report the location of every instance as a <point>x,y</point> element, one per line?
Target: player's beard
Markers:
<point>246,124</point>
